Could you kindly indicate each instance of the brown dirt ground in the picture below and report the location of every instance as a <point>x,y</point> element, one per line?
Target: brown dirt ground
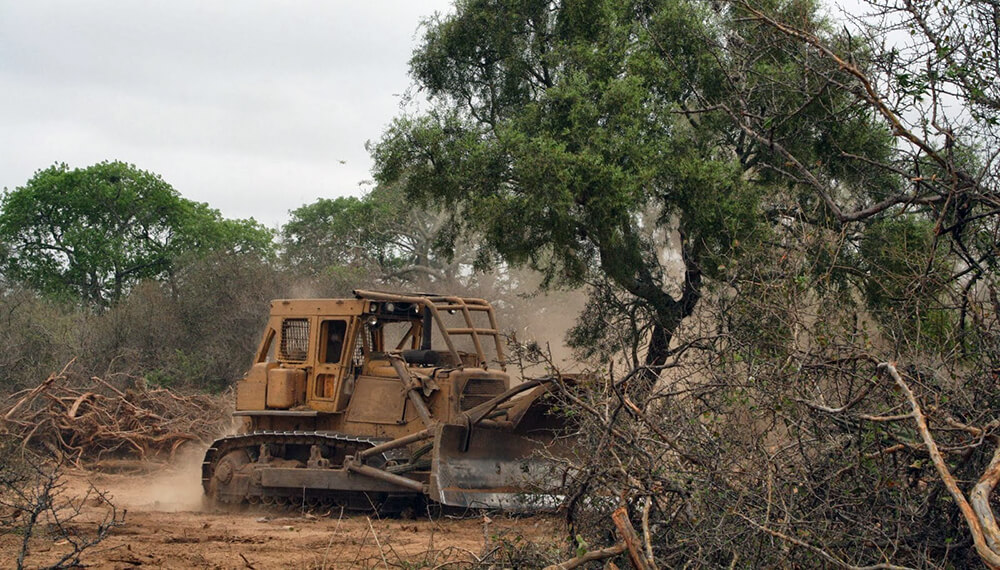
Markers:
<point>166,527</point>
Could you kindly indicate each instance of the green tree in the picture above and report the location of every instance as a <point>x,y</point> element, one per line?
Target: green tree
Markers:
<point>92,233</point>
<point>835,206</point>
<point>579,137</point>
<point>380,235</point>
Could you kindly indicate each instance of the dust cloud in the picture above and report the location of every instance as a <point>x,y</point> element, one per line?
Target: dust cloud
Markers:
<point>172,487</point>
<point>547,318</point>
<point>544,317</point>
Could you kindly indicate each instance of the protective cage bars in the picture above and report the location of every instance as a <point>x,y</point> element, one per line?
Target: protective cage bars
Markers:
<point>466,305</point>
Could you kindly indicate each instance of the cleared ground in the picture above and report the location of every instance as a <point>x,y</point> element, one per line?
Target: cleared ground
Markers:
<point>166,527</point>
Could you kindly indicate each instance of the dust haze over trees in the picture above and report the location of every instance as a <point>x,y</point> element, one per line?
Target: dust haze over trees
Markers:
<point>834,193</point>
<point>380,235</point>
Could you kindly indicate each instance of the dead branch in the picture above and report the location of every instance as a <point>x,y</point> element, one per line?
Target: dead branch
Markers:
<point>646,535</point>
<point>77,403</point>
<point>631,539</point>
<point>588,557</point>
<point>824,554</point>
<point>980,499</point>
<point>87,419</point>
<point>989,556</point>
<point>36,391</point>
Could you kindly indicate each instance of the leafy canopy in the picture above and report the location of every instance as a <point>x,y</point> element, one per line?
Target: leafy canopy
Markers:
<point>576,137</point>
<point>340,232</point>
<point>92,233</point>
<point>380,235</point>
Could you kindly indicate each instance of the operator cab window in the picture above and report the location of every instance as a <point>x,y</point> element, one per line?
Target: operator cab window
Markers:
<point>334,333</point>
<point>294,339</point>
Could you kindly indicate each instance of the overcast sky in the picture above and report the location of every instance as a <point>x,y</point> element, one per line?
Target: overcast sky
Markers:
<point>255,107</point>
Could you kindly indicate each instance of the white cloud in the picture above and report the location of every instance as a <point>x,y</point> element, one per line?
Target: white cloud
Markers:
<point>250,106</point>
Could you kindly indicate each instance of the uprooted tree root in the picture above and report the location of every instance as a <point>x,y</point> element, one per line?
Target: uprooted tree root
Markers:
<point>90,419</point>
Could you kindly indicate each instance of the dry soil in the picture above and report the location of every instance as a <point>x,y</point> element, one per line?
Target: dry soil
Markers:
<point>165,526</point>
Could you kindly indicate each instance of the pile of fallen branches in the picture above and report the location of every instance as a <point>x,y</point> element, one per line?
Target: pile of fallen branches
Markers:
<point>86,420</point>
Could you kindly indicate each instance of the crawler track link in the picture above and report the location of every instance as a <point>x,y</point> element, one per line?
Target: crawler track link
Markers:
<point>292,447</point>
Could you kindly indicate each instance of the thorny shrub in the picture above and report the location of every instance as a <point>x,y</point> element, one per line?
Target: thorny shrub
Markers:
<point>36,505</point>
<point>773,439</point>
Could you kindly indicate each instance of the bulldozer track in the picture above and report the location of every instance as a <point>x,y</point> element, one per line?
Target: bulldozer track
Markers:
<point>251,442</point>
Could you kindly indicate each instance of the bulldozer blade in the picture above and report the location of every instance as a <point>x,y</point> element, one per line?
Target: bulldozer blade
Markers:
<point>498,469</point>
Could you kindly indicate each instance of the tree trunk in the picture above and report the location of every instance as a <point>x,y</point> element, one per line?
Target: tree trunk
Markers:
<point>670,314</point>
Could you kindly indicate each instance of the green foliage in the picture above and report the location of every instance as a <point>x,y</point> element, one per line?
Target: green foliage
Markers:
<point>827,218</point>
<point>906,273</point>
<point>576,138</point>
<point>342,232</point>
<point>952,48</point>
<point>895,251</point>
<point>381,236</point>
<point>93,233</point>
<point>546,147</point>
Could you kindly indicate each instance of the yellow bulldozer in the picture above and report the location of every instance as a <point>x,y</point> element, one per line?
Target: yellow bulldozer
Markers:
<point>379,400</point>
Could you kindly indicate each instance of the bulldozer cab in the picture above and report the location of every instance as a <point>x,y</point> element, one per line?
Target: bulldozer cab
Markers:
<point>315,351</point>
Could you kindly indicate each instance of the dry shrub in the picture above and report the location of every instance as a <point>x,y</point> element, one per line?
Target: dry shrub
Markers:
<point>774,439</point>
<point>37,336</point>
<point>85,420</point>
<point>198,331</point>
<point>38,509</point>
